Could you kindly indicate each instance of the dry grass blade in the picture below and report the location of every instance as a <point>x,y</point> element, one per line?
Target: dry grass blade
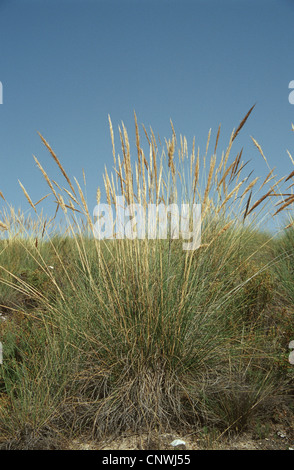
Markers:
<point>145,160</point>
<point>138,142</point>
<point>3,226</point>
<point>247,206</point>
<point>57,209</point>
<point>62,204</point>
<point>290,200</point>
<point>222,180</point>
<point>43,230</point>
<point>242,123</point>
<point>154,163</point>
<point>250,186</point>
<point>290,225</point>
<point>259,148</point>
<point>107,187</point>
<point>235,165</point>
<point>120,176</point>
<point>112,138</point>
<point>146,134</point>
<point>57,161</point>
<point>45,176</point>
<point>290,176</point>
<point>70,195</point>
<point>290,156</point>
<point>82,196</point>
<point>290,196</point>
<point>40,200</point>
<point>173,129</point>
<point>260,201</point>
<point>268,178</point>
<point>153,137</point>
<point>56,184</point>
<point>217,137</point>
<point>207,143</point>
<point>27,196</point>
<point>127,167</point>
<point>209,179</point>
<point>228,197</point>
<point>98,196</point>
<point>72,207</point>
<point>196,176</point>
<point>170,151</point>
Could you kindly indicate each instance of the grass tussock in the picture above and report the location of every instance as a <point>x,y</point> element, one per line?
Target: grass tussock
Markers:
<point>105,336</point>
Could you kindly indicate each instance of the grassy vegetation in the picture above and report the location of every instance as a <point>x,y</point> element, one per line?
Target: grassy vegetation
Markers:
<point>104,336</point>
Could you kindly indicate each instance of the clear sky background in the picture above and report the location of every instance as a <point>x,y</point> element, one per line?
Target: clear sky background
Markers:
<point>66,64</point>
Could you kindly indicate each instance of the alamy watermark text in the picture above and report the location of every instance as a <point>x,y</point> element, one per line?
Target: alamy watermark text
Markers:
<point>152,221</point>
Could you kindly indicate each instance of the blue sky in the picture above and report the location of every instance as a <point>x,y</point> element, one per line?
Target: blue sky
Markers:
<point>66,64</point>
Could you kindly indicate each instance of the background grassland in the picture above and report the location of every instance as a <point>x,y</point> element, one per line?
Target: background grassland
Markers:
<point>104,336</point>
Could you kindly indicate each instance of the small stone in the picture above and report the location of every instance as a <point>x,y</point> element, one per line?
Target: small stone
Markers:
<point>178,442</point>
<point>291,357</point>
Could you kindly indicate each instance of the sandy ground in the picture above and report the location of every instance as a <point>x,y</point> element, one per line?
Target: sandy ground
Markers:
<point>277,439</point>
